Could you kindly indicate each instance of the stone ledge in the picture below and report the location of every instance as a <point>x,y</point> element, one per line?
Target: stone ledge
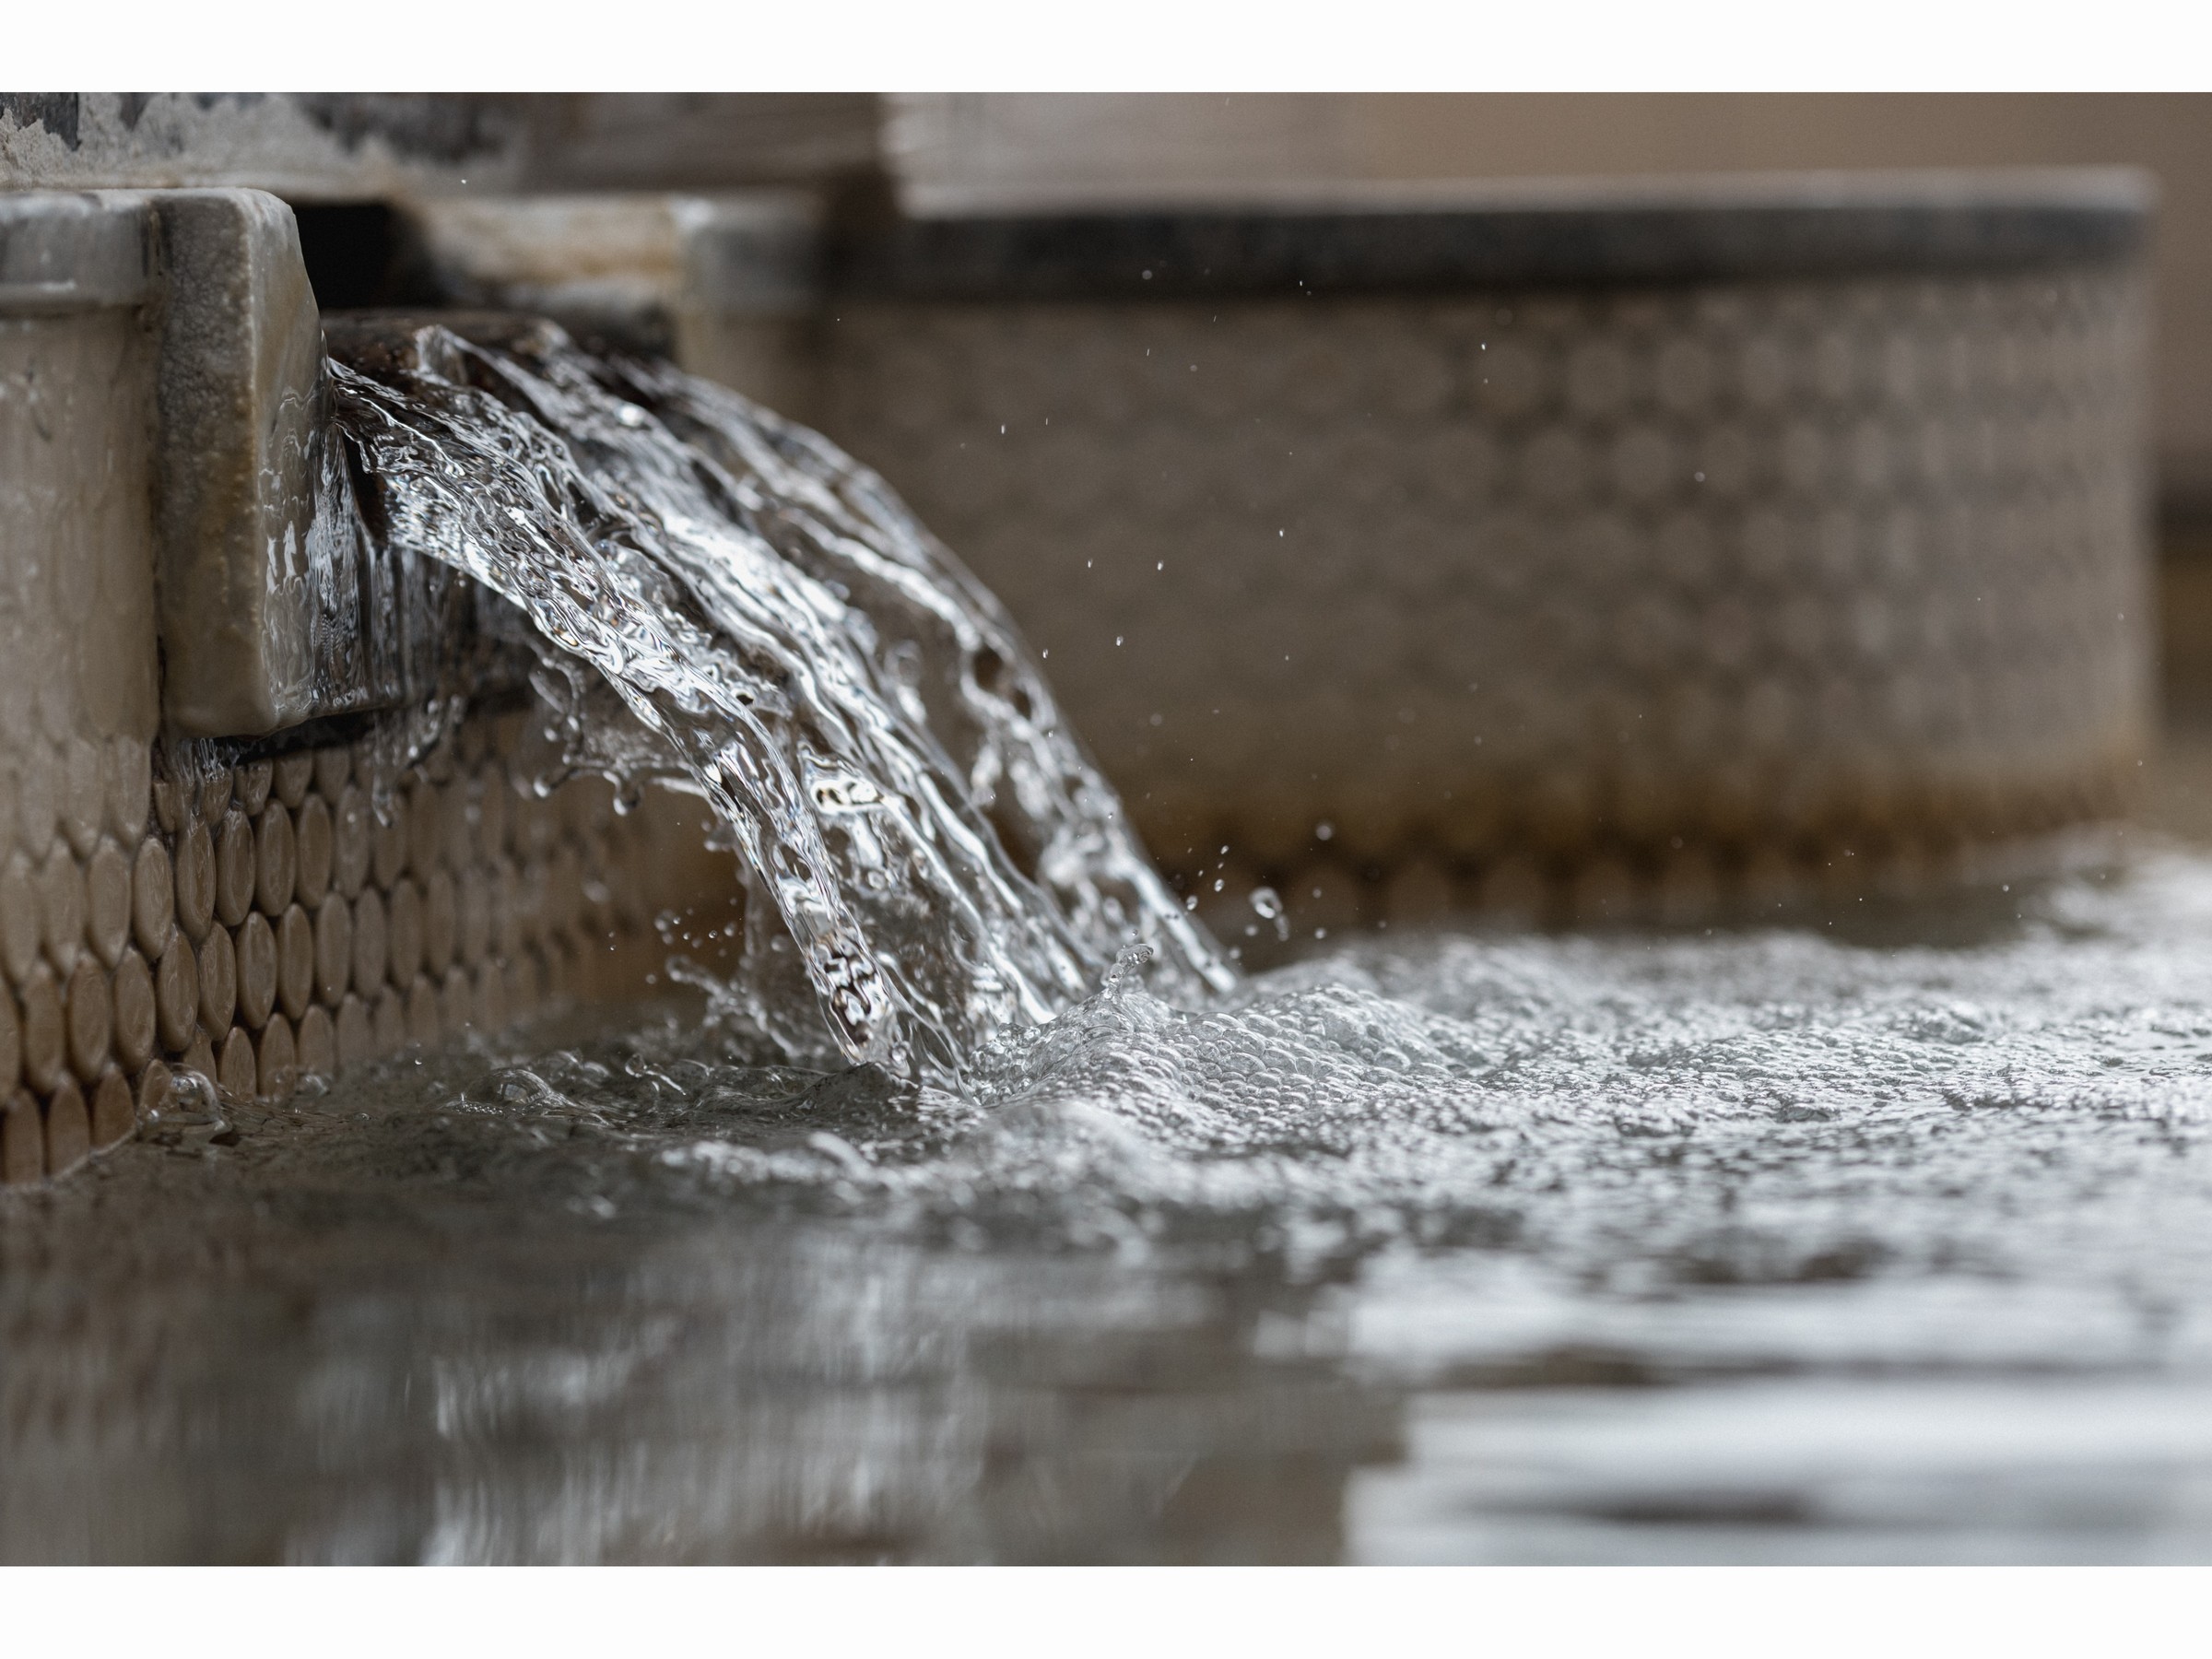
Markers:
<point>994,245</point>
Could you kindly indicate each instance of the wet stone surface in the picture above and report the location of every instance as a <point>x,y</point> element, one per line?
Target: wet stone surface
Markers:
<point>1869,1240</point>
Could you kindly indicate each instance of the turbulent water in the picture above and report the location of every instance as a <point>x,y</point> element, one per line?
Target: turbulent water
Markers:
<point>1757,1109</point>
<point>917,819</point>
<point>1767,1244</point>
<point>1639,1115</point>
<point>1839,1241</point>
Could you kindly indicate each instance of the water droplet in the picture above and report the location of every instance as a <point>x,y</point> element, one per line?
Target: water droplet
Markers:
<point>1267,904</point>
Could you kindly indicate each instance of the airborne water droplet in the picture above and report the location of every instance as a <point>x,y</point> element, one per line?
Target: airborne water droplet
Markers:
<point>1267,904</point>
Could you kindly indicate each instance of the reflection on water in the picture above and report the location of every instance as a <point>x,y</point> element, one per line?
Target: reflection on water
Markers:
<point>417,1344</point>
<point>1806,1244</point>
<point>1922,1470</point>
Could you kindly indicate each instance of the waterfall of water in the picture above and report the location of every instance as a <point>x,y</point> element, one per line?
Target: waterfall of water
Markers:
<point>927,840</point>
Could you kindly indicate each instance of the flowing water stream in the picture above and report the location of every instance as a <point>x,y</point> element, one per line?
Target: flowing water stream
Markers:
<point>955,1234</point>
<point>857,709</point>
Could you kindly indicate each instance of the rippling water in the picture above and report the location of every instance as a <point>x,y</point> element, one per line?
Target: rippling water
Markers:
<point>950,1233</point>
<point>1849,1243</point>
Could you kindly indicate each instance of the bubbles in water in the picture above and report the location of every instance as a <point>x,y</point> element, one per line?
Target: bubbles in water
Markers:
<point>1641,1117</point>
<point>1912,1234</point>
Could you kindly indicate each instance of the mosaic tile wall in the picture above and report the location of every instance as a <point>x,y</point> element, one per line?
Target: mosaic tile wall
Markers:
<point>1587,604</point>
<point>267,923</point>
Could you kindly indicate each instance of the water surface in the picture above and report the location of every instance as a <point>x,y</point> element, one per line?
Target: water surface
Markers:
<point>1832,1243</point>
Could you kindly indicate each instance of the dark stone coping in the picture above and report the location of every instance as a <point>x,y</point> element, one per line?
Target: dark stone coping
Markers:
<point>1562,234</point>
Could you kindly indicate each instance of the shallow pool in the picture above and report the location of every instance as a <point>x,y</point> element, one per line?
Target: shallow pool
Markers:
<point>1876,1238</point>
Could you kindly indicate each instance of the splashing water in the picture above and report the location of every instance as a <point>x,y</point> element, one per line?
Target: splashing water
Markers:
<point>1864,1193</point>
<point>858,710</point>
<point>1750,1245</point>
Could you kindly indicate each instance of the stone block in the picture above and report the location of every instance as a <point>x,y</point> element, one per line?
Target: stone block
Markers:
<point>240,364</point>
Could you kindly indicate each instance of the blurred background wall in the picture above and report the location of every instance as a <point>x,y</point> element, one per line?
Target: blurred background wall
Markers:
<point>1117,144</point>
<point>354,152</point>
<point>1069,146</point>
<point>643,218</point>
<point>1062,146</point>
<point>1066,147</point>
